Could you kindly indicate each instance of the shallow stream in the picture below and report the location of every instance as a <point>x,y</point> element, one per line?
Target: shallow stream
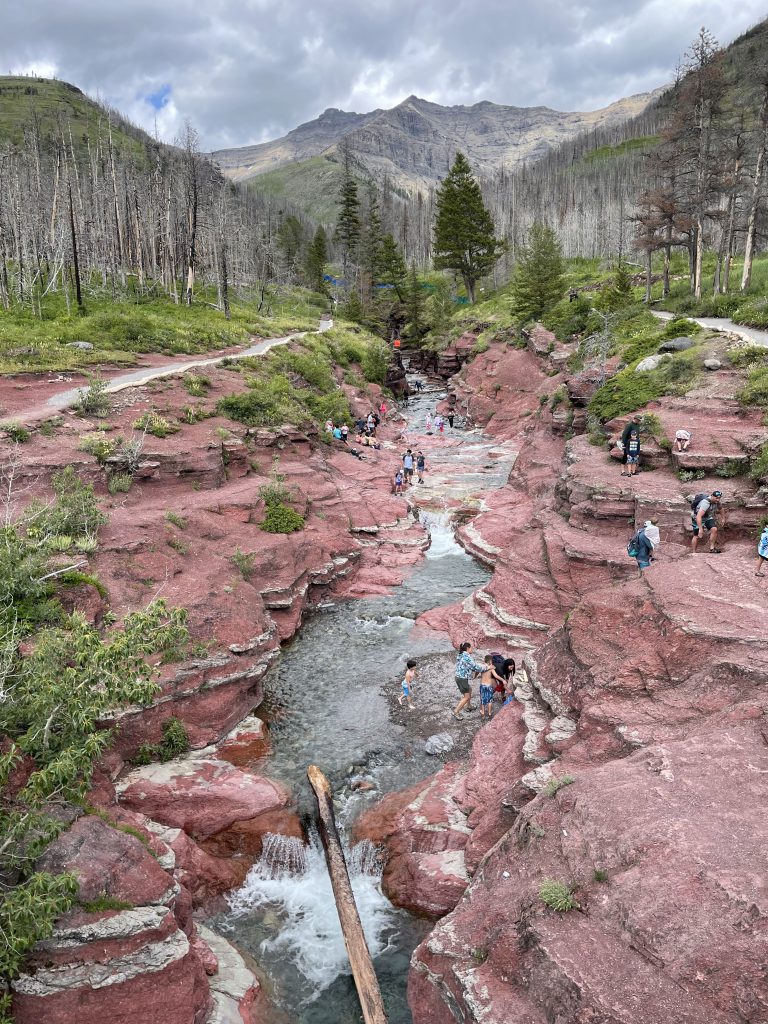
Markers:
<point>327,703</point>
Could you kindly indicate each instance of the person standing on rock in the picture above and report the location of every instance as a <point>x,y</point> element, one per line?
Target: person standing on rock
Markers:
<point>408,462</point>
<point>466,667</point>
<point>450,420</point>
<point>488,681</point>
<point>630,441</point>
<point>421,465</point>
<point>704,509</point>
<point>407,694</point>
<point>398,484</point>
<point>428,423</point>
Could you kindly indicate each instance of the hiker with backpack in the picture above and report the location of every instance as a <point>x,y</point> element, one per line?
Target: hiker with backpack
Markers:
<point>762,551</point>
<point>640,548</point>
<point>704,508</point>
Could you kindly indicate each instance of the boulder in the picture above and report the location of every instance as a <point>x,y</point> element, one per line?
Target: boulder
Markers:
<point>712,364</point>
<point>649,363</point>
<point>83,346</point>
<point>440,743</point>
<point>202,797</point>
<point>676,345</point>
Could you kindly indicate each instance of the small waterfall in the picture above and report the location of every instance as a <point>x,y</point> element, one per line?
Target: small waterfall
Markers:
<point>289,885</point>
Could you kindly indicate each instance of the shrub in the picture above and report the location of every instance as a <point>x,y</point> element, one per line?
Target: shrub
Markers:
<point>557,895</point>
<point>686,476</point>
<point>730,468</point>
<point>176,519</point>
<point>195,413</point>
<point>243,562</point>
<point>119,483</point>
<point>101,447</point>
<point>747,355</point>
<point>178,545</point>
<point>86,544</point>
<point>755,391</point>
<point>480,346</point>
<point>375,362</point>
<point>196,384</point>
<point>630,390</point>
<point>681,327</point>
<point>93,400</point>
<point>759,467</point>
<point>59,542</point>
<point>281,518</point>
<point>175,741</point>
<point>16,432</point>
<point>600,875</point>
<point>75,511</point>
<point>556,783</point>
<point>557,398</point>
<point>153,423</point>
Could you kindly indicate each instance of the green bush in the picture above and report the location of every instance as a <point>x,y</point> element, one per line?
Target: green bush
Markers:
<point>93,400</point>
<point>629,390</point>
<point>747,355</point>
<point>16,432</point>
<point>243,562</point>
<point>176,519</point>
<point>681,327</point>
<point>600,875</point>
<point>101,447</point>
<point>557,895</point>
<point>759,467</point>
<point>153,423</point>
<point>196,384</point>
<point>281,518</point>
<point>480,346</point>
<point>375,362</point>
<point>75,511</point>
<point>175,742</point>
<point>119,483</point>
<point>568,318</point>
<point>755,391</point>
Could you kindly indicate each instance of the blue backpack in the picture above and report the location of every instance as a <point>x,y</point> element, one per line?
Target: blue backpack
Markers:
<point>634,542</point>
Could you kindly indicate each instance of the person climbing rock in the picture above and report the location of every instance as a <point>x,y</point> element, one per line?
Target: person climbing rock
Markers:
<point>640,548</point>
<point>682,440</point>
<point>704,510</point>
<point>630,442</point>
<point>651,530</point>
<point>407,685</point>
<point>488,681</point>
<point>466,667</point>
<point>762,551</point>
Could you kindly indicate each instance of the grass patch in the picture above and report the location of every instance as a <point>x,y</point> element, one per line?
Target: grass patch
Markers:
<point>153,423</point>
<point>629,390</point>
<point>16,432</point>
<point>105,903</point>
<point>244,563</point>
<point>119,483</point>
<point>175,519</point>
<point>555,784</point>
<point>557,895</point>
<point>755,391</point>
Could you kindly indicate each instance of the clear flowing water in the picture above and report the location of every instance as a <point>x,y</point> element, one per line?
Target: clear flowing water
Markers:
<point>326,704</point>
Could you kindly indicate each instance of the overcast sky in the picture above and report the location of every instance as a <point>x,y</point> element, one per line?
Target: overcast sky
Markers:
<point>251,70</point>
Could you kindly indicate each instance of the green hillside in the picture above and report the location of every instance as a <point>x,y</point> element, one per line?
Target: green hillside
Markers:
<point>310,186</point>
<point>26,101</point>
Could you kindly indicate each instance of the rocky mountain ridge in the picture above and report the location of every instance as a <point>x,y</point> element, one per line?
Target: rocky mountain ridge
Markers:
<point>414,143</point>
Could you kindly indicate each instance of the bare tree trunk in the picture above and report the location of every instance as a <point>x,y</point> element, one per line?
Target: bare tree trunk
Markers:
<point>366,982</point>
<point>223,280</point>
<point>75,263</point>
<point>757,183</point>
<point>648,275</point>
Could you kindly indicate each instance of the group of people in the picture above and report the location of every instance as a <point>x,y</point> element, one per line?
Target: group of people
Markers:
<point>404,474</point>
<point>496,675</point>
<point>438,423</point>
<point>366,427</point>
<point>704,509</point>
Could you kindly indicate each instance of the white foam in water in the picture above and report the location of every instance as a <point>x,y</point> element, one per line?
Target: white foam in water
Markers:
<point>442,539</point>
<point>292,880</point>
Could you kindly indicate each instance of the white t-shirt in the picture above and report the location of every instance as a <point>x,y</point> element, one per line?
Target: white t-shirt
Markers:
<point>683,435</point>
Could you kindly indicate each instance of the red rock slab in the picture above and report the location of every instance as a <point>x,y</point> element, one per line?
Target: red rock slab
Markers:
<point>201,797</point>
<point>107,862</point>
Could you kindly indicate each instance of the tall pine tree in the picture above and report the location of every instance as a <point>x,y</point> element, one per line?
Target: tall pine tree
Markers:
<point>414,304</point>
<point>393,270</point>
<point>464,238</point>
<point>347,235</point>
<point>538,281</point>
<point>316,258</point>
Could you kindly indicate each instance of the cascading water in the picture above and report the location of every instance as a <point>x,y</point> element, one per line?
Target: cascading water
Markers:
<point>290,882</point>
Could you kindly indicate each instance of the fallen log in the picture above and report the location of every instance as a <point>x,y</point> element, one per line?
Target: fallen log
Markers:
<point>354,938</point>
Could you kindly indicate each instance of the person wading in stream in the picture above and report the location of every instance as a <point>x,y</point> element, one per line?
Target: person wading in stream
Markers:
<point>466,667</point>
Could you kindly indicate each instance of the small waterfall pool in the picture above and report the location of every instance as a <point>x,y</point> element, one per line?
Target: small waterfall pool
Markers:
<point>327,703</point>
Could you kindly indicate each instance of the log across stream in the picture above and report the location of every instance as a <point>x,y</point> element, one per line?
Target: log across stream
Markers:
<point>328,702</point>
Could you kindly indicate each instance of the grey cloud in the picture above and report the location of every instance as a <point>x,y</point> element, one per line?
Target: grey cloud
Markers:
<point>251,70</point>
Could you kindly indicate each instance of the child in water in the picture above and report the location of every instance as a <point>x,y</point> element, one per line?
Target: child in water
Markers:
<point>410,675</point>
<point>488,680</point>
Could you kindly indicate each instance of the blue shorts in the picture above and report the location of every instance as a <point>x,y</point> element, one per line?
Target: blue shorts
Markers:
<point>708,522</point>
<point>486,694</point>
<point>632,460</point>
<point>406,689</point>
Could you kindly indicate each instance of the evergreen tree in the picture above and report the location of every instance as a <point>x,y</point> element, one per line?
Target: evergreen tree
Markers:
<point>538,280</point>
<point>414,304</point>
<point>317,257</point>
<point>464,238</point>
<point>347,234</point>
<point>372,239</point>
<point>393,270</point>
<point>617,293</point>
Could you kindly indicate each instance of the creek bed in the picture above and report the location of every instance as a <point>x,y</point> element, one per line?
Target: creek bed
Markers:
<point>327,702</point>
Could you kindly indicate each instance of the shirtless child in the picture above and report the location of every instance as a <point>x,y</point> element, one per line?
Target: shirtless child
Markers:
<point>488,680</point>
<point>410,675</point>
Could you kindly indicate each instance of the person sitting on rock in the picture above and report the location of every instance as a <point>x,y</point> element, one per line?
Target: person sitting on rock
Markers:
<point>630,443</point>
<point>762,551</point>
<point>703,517</point>
<point>682,440</point>
<point>337,435</point>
